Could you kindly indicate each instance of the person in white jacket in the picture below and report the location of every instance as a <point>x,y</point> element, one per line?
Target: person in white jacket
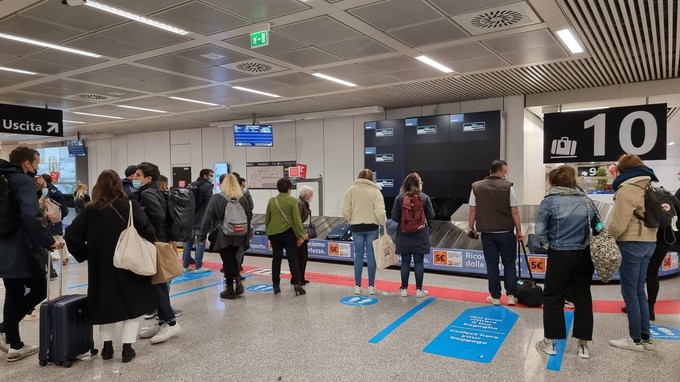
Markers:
<point>364,208</point>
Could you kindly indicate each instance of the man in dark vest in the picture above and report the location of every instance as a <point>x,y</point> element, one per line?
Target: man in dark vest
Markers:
<point>493,207</point>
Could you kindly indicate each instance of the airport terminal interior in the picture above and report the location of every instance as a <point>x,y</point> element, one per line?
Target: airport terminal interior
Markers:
<point>318,90</point>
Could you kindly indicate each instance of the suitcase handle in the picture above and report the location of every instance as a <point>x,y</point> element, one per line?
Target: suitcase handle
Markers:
<point>521,249</point>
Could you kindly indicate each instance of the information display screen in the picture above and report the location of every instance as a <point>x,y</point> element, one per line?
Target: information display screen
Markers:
<point>76,148</point>
<point>253,135</point>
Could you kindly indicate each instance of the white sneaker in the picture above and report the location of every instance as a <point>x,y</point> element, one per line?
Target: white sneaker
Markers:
<point>647,344</point>
<point>372,290</point>
<point>421,293</point>
<point>547,346</point>
<point>149,331</point>
<point>188,270</point>
<point>357,290</point>
<point>4,346</point>
<point>201,270</point>
<point>583,351</point>
<point>15,355</point>
<point>403,292</point>
<point>512,300</point>
<point>627,343</point>
<point>166,333</point>
<point>494,301</point>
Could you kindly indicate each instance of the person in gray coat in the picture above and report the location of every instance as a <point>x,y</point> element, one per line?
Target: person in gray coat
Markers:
<point>22,267</point>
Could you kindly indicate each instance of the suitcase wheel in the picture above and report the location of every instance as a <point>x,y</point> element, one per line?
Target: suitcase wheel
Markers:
<point>43,363</point>
<point>94,351</point>
<point>68,364</point>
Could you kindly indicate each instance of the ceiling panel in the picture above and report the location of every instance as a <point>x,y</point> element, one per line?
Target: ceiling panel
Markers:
<point>428,33</point>
<point>10,49</point>
<point>476,64</point>
<point>455,7</point>
<point>206,94</point>
<point>145,6</point>
<point>542,54</point>
<point>307,57</point>
<point>38,30</point>
<point>38,66</point>
<point>212,55</point>
<point>62,88</point>
<point>83,18</point>
<point>174,63</point>
<point>396,13</point>
<point>10,78</point>
<point>522,41</point>
<point>318,30</point>
<point>165,84</point>
<point>116,111</point>
<point>114,48</point>
<point>416,74</point>
<point>393,64</point>
<point>373,79</point>
<point>215,73</point>
<point>200,18</point>
<point>258,10</point>
<point>40,100</point>
<point>138,34</point>
<point>64,58</point>
<point>167,104</point>
<point>347,71</point>
<point>460,52</point>
<point>355,48</point>
<point>277,43</point>
<point>120,75</point>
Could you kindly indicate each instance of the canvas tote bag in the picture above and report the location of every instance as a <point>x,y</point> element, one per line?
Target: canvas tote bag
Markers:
<point>384,250</point>
<point>133,252</point>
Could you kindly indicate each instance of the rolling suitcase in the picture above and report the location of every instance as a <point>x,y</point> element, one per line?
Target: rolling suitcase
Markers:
<point>65,329</point>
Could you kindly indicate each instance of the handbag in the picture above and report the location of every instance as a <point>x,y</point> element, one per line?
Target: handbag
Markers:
<point>604,251</point>
<point>133,252</point>
<point>168,266</point>
<point>310,229</point>
<point>54,209</point>
<point>300,241</point>
<point>384,250</point>
<point>528,292</point>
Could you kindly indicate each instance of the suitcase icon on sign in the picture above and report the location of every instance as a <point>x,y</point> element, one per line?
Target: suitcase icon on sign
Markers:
<point>563,147</point>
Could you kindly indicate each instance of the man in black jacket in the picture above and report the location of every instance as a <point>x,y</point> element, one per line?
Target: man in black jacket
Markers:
<point>22,267</point>
<point>153,202</point>
<point>57,228</point>
<point>128,186</point>
<point>203,190</point>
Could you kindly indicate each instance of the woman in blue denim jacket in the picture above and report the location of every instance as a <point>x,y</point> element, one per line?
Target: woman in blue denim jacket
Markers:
<point>562,228</point>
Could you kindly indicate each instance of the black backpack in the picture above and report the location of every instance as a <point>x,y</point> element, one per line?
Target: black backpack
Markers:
<point>193,187</point>
<point>9,221</point>
<point>659,208</point>
<point>180,213</point>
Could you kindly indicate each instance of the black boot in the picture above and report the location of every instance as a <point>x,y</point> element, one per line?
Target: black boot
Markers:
<point>239,287</point>
<point>299,289</point>
<point>229,293</point>
<point>277,289</point>
<point>107,350</point>
<point>128,353</point>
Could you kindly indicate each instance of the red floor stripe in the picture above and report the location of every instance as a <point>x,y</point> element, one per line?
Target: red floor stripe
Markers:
<point>599,306</point>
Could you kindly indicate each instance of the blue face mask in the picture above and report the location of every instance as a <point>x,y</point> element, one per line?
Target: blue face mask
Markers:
<point>136,183</point>
<point>44,192</point>
<point>211,179</point>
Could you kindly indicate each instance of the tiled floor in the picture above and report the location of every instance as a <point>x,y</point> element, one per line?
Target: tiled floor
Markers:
<point>262,337</point>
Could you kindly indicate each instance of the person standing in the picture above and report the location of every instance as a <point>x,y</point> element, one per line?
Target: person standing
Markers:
<point>637,244</point>
<point>240,255</point>
<point>563,221</point>
<point>22,268</point>
<point>413,244</point>
<point>128,184</point>
<point>363,206</point>
<point>305,195</point>
<point>113,294</point>
<point>494,213</point>
<point>80,197</point>
<point>203,191</point>
<point>56,228</point>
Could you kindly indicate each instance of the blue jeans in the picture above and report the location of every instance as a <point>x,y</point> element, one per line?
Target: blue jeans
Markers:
<point>186,251</point>
<point>363,243</point>
<point>502,244</point>
<point>165,312</point>
<point>635,257</point>
<point>419,269</point>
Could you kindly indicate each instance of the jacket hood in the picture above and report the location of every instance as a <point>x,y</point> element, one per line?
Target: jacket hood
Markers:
<point>366,182</point>
<point>558,190</point>
<point>638,180</point>
<point>632,173</point>
<point>9,168</point>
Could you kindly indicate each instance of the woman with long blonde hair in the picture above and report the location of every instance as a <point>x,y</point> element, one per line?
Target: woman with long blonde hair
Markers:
<point>81,197</point>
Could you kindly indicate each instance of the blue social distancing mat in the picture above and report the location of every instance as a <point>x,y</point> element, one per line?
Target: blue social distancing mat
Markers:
<point>555,361</point>
<point>269,288</point>
<point>189,276</point>
<point>358,300</point>
<point>476,335</point>
<point>664,332</point>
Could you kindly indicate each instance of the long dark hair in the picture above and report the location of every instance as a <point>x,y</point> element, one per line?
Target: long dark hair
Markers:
<point>107,189</point>
<point>411,185</point>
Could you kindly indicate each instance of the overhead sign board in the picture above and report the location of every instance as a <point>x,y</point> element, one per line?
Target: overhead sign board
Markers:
<point>606,134</point>
<point>259,39</point>
<point>31,121</point>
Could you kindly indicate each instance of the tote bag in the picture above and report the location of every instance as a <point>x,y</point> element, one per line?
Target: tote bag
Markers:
<point>604,251</point>
<point>133,252</point>
<point>167,263</point>
<point>54,209</point>
<point>385,251</point>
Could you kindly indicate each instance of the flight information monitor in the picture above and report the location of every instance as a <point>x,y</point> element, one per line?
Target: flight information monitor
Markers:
<point>253,135</point>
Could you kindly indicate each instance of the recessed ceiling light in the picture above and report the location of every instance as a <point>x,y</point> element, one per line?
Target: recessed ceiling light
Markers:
<point>569,40</point>
<point>255,91</point>
<point>427,60</point>
<point>17,70</point>
<point>329,78</point>
<point>96,115</point>
<point>142,108</point>
<point>135,17</point>
<point>47,45</point>
<point>212,56</point>
<point>78,122</point>
<point>194,101</point>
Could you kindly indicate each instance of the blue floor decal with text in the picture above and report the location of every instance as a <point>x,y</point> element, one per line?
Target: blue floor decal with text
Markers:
<point>664,332</point>
<point>476,335</point>
<point>385,332</point>
<point>555,361</point>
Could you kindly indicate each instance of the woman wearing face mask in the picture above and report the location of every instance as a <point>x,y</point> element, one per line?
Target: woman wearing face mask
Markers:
<point>305,195</point>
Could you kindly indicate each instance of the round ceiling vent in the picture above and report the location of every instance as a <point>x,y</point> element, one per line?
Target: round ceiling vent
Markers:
<point>253,67</point>
<point>91,97</point>
<point>497,19</point>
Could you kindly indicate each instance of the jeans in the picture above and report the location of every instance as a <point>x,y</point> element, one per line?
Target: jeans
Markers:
<point>502,244</point>
<point>419,269</point>
<point>568,271</point>
<point>186,251</point>
<point>18,304</point>
<point>363,243</point>
<point>635,257</point>
<point>288,241</point>
<point>165,312</point>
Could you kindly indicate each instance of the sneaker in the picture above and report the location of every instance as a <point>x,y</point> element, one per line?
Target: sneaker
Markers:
<point>187,270</point>
<point>357,290</point>
<point>166,332</point>
<point>192,261</point>
<point>547,346</point>
<point>177,312</point>
<point>201,270</point>
<point>150,316</point>
<point>647,344</point>
<point>512,300</point>
<point>15,355</point>
<point>583,351</point>
<point>403,292</point>
<point>421,293</point>
<point>627,343</point>
<point>568,305</point>
<point>494,301</point>
<point>4,346</point>
<point>372,290</point>
<point>149,331</point>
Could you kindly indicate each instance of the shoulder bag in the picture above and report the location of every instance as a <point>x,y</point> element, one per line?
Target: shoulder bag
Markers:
<point>528,292</point>
<point>133,252</point>
<point>286,218</point>
<point>310,229</point>
<point>604,251</point>
<point>385,251</point>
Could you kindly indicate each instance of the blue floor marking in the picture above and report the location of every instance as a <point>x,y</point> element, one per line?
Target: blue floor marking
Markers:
<point>385,332</point>
<point>196,289</point>
<point>555,361</point>
<point>77,286</point>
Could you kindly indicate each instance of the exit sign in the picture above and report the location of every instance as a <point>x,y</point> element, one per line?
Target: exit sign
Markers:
<point>258,39</point>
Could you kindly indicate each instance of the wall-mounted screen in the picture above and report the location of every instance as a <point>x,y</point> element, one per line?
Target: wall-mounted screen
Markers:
<point>76,148</point>
<point>220,168</point>
<point>61,166</point>
<point>253,135</point>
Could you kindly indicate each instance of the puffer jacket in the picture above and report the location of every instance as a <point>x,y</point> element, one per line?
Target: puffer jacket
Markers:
<point>629,198</point>
<point>363,203</point>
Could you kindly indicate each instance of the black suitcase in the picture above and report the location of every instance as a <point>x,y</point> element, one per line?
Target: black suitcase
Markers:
<point>528,292</point>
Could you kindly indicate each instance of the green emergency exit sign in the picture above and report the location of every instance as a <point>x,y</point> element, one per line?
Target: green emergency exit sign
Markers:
<point>258,39</point>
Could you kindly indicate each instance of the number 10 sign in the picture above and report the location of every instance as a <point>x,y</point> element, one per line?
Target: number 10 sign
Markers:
<point>603,135</point>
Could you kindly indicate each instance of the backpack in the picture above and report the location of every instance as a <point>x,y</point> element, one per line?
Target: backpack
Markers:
<point>659,208</point>
<point>180,213</point>
<point>412,214</point>
<point>193,187</point>
<point>9,221</point>
<point>235,222</point>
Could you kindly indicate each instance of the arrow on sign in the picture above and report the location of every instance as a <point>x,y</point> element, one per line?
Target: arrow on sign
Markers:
<point>53,127</point>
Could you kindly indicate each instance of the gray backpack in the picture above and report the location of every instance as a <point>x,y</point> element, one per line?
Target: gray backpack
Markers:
<point>235,221</point>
